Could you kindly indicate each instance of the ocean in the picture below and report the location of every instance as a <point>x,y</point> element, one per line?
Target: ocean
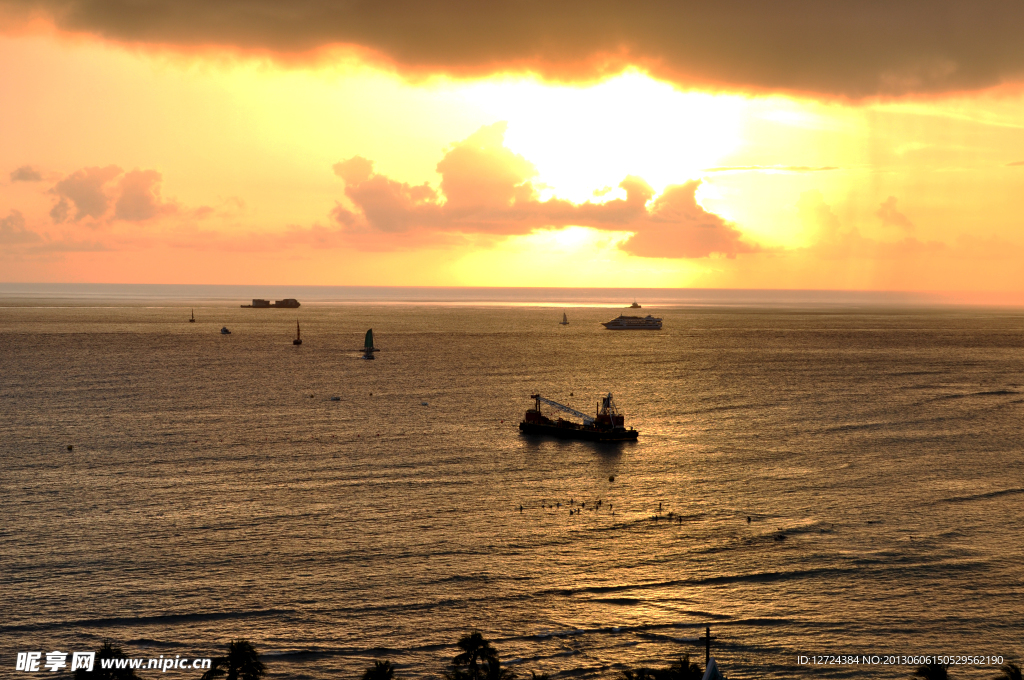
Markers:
<point>813,478</point>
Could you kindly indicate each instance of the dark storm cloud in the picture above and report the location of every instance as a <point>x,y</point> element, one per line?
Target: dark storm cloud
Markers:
<point>846,47</point>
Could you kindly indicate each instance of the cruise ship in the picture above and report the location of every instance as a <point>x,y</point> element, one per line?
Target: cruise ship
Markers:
<point>633,323</point>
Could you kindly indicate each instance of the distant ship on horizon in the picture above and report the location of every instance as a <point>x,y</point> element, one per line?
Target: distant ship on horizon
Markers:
<point>287,303</point>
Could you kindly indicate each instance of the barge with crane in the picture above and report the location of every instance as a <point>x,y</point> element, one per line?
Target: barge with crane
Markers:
<point>608,425</point>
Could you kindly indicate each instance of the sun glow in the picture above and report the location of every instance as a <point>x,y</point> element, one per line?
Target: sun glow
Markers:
<point>572,257</point>
<point>239,151</point>
<point>587,139</point>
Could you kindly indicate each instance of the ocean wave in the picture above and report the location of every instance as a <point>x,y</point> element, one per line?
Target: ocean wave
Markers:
<point>982,496</point>
<point>132,621</point>
<point>983,393</point>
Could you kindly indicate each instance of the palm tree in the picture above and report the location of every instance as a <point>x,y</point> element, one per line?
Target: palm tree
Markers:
<point>684,670</point>
<point>932,671</point>
<point>107,651</point>
<point>638,674</point>
<point>474,650</point>
<point>494,671</point>
<point>241,663</point>
<point>1010,671</point>
<point>380,670</point>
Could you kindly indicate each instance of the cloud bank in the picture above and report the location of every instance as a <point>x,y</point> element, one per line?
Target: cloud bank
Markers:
<point>88,194</point>
<point>26,173</point>
<point>851,48</point>
<point>487,189</point>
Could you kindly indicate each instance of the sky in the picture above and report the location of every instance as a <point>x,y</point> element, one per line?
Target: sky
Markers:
<point>792,145</point>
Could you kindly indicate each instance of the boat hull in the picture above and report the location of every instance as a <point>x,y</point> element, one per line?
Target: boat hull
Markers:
<point>633,323</point>
<point>590,434</point>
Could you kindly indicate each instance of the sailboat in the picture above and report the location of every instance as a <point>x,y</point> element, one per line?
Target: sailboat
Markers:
<point>368,348</point>
<point>565,320</point>
<point>298,335</point>
<point>193,319</point>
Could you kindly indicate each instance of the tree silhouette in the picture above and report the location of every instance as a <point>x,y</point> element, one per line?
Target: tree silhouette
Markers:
<point>478,660</point>
<point>683,669</point>
<point>474,650</point>
<point>494,671</point>
<point>380,670</point>
<point>932,671</point>
<point>1009,671</point>
<point>241,663</point>
<point>107,651</point>
<point>638,674</point>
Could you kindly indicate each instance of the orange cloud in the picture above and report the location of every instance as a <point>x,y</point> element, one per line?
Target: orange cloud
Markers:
<point>846,47</point>
<point>135,198</point>
<point>139,198</point>
<point>834,243</point>
<point>26,173</point>
<point>13,231</point>
<point>677,227</point>
<point>487,189</point>
<point>84,189</point>
<point>892,217</point>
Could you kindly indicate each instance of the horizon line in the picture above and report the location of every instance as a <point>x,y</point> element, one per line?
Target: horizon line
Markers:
<point>506,295</point>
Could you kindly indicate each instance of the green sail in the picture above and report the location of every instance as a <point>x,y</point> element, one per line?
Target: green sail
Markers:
<point>369,340</point>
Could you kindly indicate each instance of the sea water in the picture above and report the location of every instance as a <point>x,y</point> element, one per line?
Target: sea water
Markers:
<point>808,482</point>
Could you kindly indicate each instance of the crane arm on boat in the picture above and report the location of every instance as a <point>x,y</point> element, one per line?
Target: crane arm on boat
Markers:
<point>589,420</point>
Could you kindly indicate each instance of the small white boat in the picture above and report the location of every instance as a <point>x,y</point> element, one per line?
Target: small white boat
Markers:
<point>564,321</point>
<point>225,331</point>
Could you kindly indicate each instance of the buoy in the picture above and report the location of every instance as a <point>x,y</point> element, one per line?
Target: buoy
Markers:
<point>70,447</point>
<point>611,478</point>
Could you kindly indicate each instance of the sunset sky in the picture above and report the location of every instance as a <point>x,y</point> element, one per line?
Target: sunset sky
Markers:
<point>846,145</point>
